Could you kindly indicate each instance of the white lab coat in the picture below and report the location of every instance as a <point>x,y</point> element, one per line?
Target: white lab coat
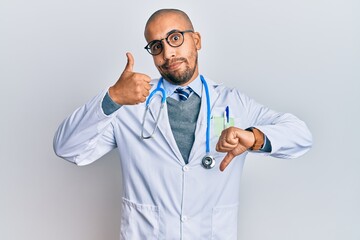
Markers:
<point>162,197</point>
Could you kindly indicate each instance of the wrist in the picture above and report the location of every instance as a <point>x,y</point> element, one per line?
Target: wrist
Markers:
<point>258,139</point>
<point>113,95</point>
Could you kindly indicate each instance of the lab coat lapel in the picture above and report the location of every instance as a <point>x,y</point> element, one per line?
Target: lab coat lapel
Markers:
<point>200,132</point>
<point>164,127</point>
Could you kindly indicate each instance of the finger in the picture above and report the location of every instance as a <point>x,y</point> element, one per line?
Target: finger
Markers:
<point>143,99</point>
<point>225,162</point>
<point>147,79</point>
<point>143,77</point>
<point>230,138</point>
<point>219,146</point>
<point>225,149</point>
<point>130,62</point>
<point>222,139</point>
<point>227,144</point>
<point>147,87</point>
<point>224,146</point>
<point>146,93</point>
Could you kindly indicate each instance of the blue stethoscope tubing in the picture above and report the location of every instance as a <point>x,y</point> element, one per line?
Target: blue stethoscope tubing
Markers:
<point>147,104</point>
<point>208,161</point>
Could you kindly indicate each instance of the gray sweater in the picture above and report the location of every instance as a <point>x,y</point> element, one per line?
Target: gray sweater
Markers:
<point>183,117</point>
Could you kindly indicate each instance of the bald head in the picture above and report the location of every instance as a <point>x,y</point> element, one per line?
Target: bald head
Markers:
<point>163,14</point>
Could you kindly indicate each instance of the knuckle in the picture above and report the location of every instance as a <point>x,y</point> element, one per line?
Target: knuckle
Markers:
<point>137,90</point>
<point>138,95</point>
<point>137,83</point>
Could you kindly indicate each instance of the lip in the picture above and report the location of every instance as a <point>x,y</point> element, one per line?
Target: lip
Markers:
<point>174,66</point>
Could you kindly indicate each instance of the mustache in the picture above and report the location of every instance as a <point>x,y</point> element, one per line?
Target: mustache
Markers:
<point>172,61</point>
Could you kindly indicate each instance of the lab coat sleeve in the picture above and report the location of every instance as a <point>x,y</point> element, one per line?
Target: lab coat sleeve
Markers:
<point>86,135</point>
<point>289,136</point>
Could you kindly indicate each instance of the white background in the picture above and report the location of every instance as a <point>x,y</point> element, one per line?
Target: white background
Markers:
<point>297,56</point>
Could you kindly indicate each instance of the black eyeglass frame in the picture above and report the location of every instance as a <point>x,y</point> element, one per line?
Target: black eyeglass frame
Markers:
<point>147,47</point>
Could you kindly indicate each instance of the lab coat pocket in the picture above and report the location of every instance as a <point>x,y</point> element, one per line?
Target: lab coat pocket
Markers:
<point>139,221</point>
<point>221,119</point>
<point>224,222</point>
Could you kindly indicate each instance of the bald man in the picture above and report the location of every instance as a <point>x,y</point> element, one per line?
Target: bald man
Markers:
<point>175,185</point>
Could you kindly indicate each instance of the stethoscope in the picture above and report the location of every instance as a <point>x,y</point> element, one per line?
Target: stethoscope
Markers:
<point>208,161</point>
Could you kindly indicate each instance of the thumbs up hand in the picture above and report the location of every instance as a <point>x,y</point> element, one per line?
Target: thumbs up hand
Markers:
<point>131,88</point>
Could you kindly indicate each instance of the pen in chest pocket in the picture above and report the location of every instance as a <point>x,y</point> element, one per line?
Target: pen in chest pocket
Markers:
<point>226,117</point>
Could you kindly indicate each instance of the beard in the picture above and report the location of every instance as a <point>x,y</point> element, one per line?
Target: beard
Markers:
<point>178,77</point>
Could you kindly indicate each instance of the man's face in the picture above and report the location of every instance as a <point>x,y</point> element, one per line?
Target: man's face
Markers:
<point>177,65</point>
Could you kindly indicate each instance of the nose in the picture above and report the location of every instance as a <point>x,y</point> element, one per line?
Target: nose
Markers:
<point>168,51</point>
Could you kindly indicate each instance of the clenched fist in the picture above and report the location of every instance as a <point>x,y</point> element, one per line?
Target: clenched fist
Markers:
<point>131,88</point>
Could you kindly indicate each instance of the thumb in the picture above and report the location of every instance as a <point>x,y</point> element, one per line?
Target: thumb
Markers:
<point>227,159</point>
<point>130,62</point>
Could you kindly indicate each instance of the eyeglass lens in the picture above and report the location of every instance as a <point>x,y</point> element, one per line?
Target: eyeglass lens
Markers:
<point>174,39</point>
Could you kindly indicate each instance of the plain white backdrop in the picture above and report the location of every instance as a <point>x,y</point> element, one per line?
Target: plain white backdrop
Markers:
<point>294,56</point>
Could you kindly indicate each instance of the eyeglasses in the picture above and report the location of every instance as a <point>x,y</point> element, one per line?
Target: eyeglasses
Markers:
<point>175,38</point>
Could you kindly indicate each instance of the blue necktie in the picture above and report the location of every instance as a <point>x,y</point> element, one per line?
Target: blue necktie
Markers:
<point>184,93</point>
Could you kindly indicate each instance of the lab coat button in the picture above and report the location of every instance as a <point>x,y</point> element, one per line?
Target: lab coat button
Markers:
<point>184,218</point>
<point>186,168</point>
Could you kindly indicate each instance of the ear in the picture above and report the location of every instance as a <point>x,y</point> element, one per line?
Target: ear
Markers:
<point>197,40</point>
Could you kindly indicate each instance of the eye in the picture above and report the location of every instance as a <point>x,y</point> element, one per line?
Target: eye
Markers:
<point>156,46</point>
<point>175,38</point>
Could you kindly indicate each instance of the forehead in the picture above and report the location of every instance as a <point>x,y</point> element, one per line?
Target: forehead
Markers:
<point>158,28</point>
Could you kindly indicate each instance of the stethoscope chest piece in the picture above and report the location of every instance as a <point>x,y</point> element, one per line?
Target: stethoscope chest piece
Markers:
<point>208,162</point>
